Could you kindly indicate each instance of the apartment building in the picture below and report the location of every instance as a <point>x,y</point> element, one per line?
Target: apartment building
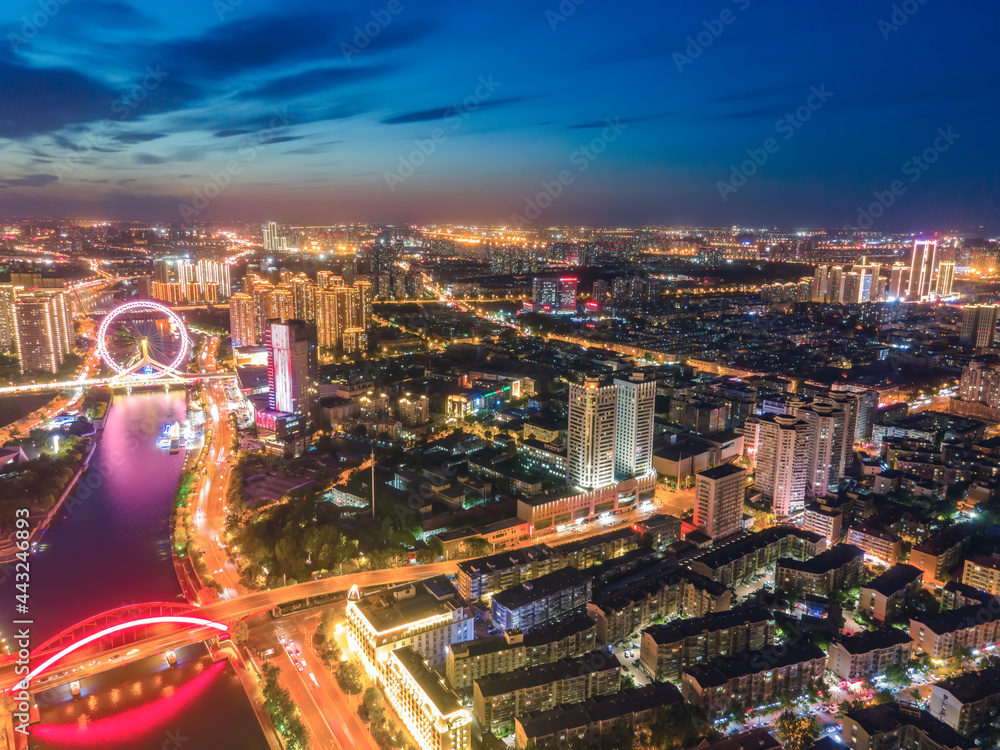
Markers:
<point>468,661</point>
<point>893,727</point>
<point>869,653</point>
<point>426,615</point>
<point>585,553</point>
<point>499,699</point>
<point>886,596</point>
<point>941,635</point>
<point>878,542</point>
<point>718,503</point>
<point>753,677</point>
<point>823,520</point>
<point>667,649</point>
<point>956,594</point>
<point>937,555</point>
<point>658,590</point>
<point>482,577</point>
<point>967,702</point>
<point>554,596</point>
<point>430,711</point>
<point>593,720</point>
<point>748,555</point>
<point>983,573</point>
<point>826,573</point>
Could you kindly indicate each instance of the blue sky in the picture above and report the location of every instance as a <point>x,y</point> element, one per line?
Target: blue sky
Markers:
<point>459,111</point>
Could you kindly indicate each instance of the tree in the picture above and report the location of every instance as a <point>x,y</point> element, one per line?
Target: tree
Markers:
<point>897,675</point>
<point>239,632</point>
<point>477,547</point>
<point>349,678</point>
<point>797,732</point>
<point>372,699</point>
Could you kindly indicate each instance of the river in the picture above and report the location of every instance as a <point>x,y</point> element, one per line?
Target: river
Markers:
<point>110,548</point>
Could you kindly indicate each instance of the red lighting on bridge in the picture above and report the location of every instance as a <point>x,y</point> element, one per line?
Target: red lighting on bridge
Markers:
<point>173,619</point>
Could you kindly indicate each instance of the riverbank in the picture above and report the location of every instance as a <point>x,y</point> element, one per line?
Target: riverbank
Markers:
<point>39,524</point>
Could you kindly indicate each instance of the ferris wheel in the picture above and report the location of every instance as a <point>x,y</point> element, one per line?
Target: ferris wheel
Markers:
<point>143,339</point>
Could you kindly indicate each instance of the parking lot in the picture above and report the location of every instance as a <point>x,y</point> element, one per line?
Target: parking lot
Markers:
<point>628,655</point>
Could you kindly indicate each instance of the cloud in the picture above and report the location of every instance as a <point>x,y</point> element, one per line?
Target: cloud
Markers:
<point>761,93</point>
<point>317,79</point>
<point>42,100</point>
<point>230,133</point>
<point>31,181</point>
<point>439,113</point>
<point>103,14</point>
<point>257,42</point>
<point>150,159</point>
<point>626,120</point>
<point>138,137</point>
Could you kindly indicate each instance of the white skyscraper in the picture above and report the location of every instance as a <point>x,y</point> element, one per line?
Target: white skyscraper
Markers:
<point>634,426</point>
<point>923,265</point>
<point>830,450</point>
<point>945,278</point>
<point>272,240</point>
<point>869,279</point>
<point>591,434</point>
<point>784,457</point>
<point>897,281</point>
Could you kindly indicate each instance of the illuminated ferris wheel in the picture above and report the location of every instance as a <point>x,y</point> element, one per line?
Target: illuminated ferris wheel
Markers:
<point>143,340</point>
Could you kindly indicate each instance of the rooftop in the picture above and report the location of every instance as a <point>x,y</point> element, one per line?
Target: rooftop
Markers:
<point>833,558</point>
<point>543,674</point>
<point>867,641</point>
<point>505,560</point>
<point>541,587</point>
<point>606,708</point>
<point>740,548</point>
<point>578,545</point>
<point>539,637</point>
<point>677,630</point>
<point>973,686</point>
<point>889,717</point>
<point>718,672</point>
<point>894,579</point>
<point>962,618</point>
<point>409,603</point>
<point>722,471</point>
<point>944,540</point>
<point>444,700</point>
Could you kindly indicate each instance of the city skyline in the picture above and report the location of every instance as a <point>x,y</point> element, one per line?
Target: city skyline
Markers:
<point>608,122</point>
<point>386,375</point>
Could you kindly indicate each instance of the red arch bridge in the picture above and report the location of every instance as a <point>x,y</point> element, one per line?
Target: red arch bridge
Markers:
<point>108,640</point>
